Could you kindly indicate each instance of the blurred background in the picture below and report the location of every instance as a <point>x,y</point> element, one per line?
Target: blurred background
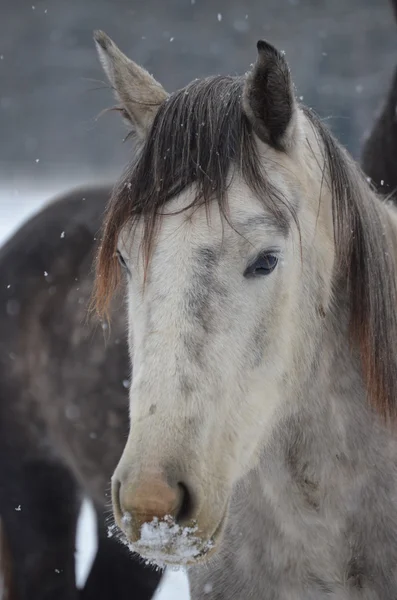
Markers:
<point>342,54</point>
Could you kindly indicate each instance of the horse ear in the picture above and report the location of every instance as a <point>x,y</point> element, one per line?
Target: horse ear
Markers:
<point>268,98</point>
<point>138,92</point>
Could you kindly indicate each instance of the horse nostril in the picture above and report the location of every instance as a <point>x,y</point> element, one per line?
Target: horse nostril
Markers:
<point>137,503</point>
<point>186,507</point>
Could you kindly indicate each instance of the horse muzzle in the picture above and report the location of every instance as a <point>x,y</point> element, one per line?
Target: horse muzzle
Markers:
<point>158,521</point>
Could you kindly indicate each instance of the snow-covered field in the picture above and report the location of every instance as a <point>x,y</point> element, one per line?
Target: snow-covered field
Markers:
<point>15,207</point>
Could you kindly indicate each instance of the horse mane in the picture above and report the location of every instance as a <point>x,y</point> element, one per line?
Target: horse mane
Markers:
<point>366,253</point>
<point>198,134</point>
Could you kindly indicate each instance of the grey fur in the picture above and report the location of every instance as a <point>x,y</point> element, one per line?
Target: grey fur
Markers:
<point>319,519</point>
<point>316,517</point>
<point>282,227</point>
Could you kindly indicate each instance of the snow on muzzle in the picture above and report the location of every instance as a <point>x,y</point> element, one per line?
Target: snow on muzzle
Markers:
<point>166,523</point>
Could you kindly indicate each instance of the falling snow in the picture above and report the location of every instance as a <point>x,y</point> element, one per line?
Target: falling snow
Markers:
<point>111,530</point>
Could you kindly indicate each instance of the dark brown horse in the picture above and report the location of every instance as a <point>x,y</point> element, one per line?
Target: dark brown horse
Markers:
<point>379,156</point>
<point>63,407</point>
<point>63,400</point>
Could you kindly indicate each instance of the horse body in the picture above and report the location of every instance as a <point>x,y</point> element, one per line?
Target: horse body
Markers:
<point>263,349</point>
<point>380,149</point>
<point>62,423</point>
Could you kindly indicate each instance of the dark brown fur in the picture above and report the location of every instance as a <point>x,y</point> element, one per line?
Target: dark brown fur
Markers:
<point>7,587</point>
<point>379,156</point>
<point>268,99</point>
<point>63,406</point>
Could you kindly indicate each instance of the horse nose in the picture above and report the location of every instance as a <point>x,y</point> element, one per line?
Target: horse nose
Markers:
<point>152,498</point>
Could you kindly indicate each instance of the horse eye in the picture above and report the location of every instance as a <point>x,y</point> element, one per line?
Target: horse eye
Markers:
<point>263,265</point>
<point>121,260</point>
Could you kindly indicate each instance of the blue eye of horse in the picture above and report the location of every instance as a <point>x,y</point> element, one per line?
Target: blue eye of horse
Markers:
<point>263,265</point>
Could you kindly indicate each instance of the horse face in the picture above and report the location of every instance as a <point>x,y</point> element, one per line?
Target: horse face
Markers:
<point>216,315</point>
<point>213,335</point>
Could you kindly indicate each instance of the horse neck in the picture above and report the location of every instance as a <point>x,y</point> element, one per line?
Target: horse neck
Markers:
<point>330,405</point>
<point>329,419</point>
<point>330,427</point>
<point>320,452</point>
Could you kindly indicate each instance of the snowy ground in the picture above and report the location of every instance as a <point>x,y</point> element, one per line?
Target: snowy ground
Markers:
<point>15,207</point>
